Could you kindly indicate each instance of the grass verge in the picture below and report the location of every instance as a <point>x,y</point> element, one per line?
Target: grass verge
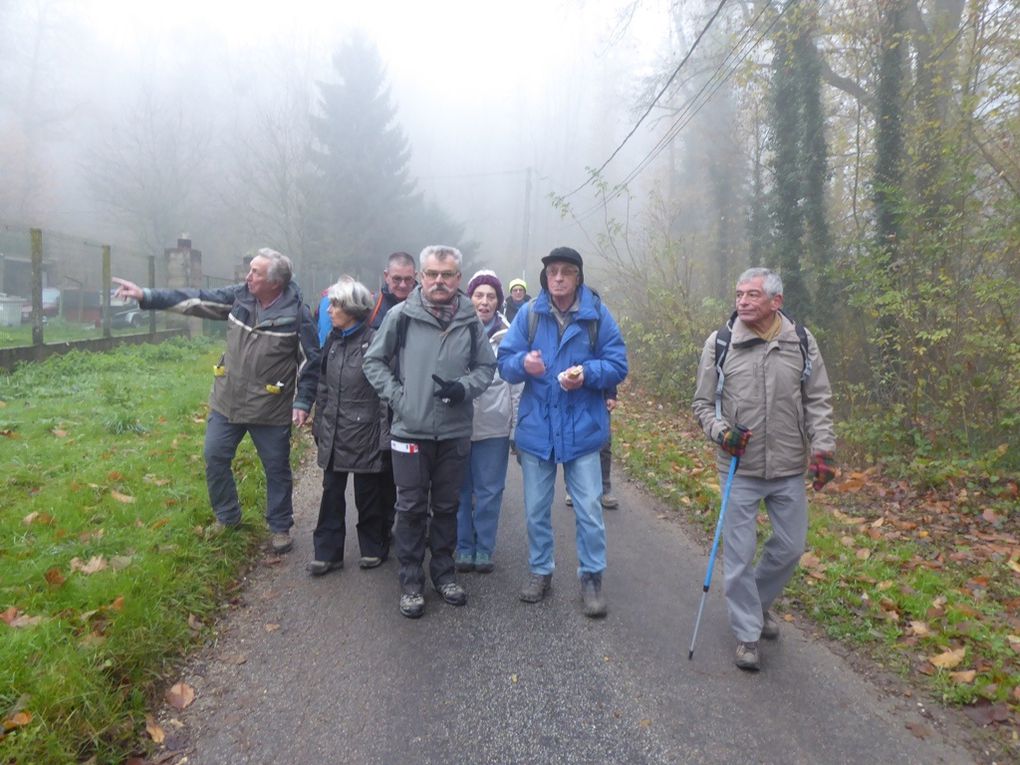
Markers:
<point>108,573</point>
<point>924,582</point>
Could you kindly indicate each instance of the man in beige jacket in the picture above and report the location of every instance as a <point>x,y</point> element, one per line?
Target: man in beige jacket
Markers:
<point>775,387</point>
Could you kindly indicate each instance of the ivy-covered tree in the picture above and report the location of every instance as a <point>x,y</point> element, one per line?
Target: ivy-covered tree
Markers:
<point>801,243</point>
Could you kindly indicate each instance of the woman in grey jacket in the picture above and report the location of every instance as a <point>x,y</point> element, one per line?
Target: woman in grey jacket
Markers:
<point>350,430</point>
<point>494,411</point>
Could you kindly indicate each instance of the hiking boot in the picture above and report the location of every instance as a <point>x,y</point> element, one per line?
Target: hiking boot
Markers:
<point>483,563</point>
<point>452,593</point>
<point>369,561</point>
<point>281,542</point>
<point>219,528</point>
<point>747,656</point>
<point>536,588</point>
<point>591,594</point>
<point>464,563</point>
<point>609,502</point>
<point>323,567</point>
<point>569,500</point>
<point>412,605</point>
<point>770,627</point>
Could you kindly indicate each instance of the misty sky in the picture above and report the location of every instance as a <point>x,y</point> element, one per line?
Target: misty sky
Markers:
<point>484,89</point>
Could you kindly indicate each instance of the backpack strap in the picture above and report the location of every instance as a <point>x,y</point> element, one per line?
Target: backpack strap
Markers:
<point>404,321</point>
<point>722,347</point>
<point>593,324</point>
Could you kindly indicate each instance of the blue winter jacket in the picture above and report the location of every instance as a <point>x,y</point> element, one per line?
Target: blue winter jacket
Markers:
<point>554,424</point>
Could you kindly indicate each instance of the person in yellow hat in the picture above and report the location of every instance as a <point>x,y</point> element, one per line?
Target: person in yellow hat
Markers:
<point>518,296</point>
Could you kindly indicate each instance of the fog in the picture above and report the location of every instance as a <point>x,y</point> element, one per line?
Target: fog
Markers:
<point>132,123</point>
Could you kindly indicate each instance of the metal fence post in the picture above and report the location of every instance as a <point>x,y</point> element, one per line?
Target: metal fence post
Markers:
<point>107,281</point>
<point>37,311</point>
<point>152,285</point>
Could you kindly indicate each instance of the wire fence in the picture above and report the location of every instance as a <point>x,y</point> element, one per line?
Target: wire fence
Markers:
<point>56,287</point>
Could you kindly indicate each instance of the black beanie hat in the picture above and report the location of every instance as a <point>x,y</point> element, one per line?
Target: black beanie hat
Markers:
<point>562,255</point>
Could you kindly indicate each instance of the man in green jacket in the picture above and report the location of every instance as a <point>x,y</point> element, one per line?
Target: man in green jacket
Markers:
<point>428,360</point>
<point>264,382</point>
<point>777,390</point>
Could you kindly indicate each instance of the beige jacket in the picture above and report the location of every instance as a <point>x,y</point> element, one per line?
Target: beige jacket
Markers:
<point>763,392</point>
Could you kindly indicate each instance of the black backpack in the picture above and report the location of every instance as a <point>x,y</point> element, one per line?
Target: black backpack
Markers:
<point>722,346</point>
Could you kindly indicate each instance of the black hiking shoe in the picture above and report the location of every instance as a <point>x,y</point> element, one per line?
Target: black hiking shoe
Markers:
<point>591,594</point>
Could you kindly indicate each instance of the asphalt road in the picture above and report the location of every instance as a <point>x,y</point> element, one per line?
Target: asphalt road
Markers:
<point>327,670</point>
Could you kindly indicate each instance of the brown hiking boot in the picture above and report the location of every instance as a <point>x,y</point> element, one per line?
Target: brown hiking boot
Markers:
<point>536,588</point>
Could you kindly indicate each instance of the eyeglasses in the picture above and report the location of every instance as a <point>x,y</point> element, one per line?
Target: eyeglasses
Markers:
<point>566,271</point>
<point>402,279</point>
<point>444,275</point>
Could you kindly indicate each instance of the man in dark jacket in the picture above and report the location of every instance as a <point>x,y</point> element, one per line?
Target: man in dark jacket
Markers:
<point>264,382</point>
<point>574,356</point>
<point>398,281</point>
<point>429,360</point>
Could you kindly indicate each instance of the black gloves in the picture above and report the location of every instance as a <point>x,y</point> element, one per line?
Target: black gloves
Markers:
<point>450,391</point>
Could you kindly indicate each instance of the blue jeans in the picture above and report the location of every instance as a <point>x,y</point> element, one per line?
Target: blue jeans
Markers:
<point>272,442</point>
<point>584,482</point>
<point>485,478</point>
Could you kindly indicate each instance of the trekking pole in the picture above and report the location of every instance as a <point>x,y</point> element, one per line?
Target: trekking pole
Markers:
<point>715,546</point>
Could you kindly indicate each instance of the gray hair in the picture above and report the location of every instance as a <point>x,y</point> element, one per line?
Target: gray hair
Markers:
<point>352,297</point>
<point>280,268</point>
<point>771,283</point>
<point>440,252</point>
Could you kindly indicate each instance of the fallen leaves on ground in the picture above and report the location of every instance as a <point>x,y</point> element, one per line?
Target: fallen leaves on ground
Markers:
<point>180,695</point>
<point>948,659</point>
<point>154,730</point>
<point>95,564</point>
<point>17,719</point>
<point>18,619</point>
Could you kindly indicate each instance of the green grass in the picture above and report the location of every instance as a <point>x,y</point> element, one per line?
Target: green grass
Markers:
<point>100,458</point>
<point>899,572</point>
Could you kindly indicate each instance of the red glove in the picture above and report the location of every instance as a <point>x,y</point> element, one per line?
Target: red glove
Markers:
<point>734,440</point>
<point>822,468</point>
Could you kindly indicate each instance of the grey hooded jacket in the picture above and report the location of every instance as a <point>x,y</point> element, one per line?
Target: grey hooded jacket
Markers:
<point>455,353</point>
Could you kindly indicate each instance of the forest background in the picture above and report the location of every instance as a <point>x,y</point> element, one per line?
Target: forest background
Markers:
<point>866,149</point>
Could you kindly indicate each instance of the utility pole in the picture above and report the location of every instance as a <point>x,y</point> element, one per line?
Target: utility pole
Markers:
<point>526,234</point>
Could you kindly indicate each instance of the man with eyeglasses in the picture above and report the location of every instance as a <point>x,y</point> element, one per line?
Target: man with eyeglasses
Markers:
<point>571,358</point>
<point>428,360</point>
<point>398,281</point>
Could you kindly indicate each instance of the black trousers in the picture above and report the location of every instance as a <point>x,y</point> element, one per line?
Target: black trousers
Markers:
<point>374,516</point>
<point>427,473</point>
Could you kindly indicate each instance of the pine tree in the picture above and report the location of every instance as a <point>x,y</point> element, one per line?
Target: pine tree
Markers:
<point>361,195</point>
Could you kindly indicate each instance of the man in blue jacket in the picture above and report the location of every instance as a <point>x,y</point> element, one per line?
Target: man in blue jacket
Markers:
<point>567,349</point>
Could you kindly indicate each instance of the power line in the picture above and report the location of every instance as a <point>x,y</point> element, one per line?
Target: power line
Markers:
<point>655,100</point>
<point>693,106</point>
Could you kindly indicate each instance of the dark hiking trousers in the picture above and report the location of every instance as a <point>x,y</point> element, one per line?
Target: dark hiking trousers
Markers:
<point>424,470</point>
